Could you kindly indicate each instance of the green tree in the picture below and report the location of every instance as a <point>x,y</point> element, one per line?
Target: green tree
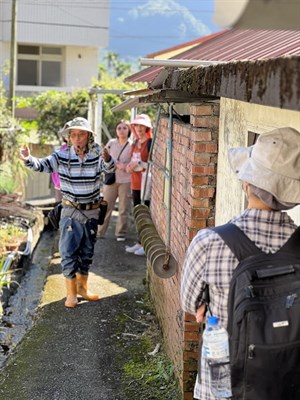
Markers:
<point>54,109</point>
<point>115,66</point>
<point>112,77</point>
<point>10,133</point>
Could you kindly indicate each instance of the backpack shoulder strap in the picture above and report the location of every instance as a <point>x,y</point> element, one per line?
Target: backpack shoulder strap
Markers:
<point>293,243</point>
<point>238,242</point>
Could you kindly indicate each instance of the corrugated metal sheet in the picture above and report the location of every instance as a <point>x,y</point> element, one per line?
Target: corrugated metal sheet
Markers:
<point>235,45</point>
<point>180,48</point>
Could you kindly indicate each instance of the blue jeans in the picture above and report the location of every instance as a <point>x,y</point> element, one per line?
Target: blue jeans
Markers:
<point>76,245</point>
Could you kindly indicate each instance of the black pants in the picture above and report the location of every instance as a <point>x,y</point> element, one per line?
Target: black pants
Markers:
<point>136,198</point>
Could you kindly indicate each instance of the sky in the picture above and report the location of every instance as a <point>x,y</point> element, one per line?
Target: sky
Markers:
<point>142,27</point>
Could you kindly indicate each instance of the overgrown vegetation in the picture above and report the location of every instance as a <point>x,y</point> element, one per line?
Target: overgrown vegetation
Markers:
<point>10,167</point>
<point>148,373</point>
<point>55,108</point>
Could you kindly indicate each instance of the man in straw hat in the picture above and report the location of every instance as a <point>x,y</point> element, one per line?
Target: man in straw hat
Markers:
<point>79,167</point>
<point>270,175</point>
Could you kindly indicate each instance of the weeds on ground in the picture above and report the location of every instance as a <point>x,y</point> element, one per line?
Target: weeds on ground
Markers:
<point>147,376</point>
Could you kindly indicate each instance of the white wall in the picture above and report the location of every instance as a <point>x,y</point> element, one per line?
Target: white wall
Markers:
<point>58,22</point>
<point>236,119</point>
<point>81,66</point>
<point>81,28</point>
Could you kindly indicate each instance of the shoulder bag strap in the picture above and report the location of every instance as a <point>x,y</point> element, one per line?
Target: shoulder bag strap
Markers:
<point>238,242</point>
<point>293,243</point>
<point>122,150</point>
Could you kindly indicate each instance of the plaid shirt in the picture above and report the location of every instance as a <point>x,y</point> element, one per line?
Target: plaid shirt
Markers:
<point>79,179</point>
<point>210,261</point>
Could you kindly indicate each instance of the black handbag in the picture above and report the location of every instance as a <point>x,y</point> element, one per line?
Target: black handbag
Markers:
<point>110,177</point>
<point>102,212</point>
<point>54,216</point>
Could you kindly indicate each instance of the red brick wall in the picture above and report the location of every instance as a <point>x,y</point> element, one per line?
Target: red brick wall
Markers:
<point>193,202</point>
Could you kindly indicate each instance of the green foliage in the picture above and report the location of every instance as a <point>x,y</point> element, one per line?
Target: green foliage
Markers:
<point>10,131</point>
<point>150,378</point>
<point>115,67</point>
<point>6,121</point>
<point>112,77</point>
<point>54,110</point>
<point>5,276</point>
<point>146,376</point>
<point>8,182</point>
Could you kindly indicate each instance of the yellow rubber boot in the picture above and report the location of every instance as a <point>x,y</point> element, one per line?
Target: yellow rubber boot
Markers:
<point>71,300</point>
<point>82,289</point>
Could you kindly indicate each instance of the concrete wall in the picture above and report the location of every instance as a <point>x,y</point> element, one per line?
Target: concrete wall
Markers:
<point>60,23</point>
<point>81,30</point>
<point>38,185</point>
<point>193,204</point>
<point>80,65</point>
<point>237,118</point>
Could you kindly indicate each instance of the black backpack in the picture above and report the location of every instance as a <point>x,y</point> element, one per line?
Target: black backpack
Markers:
<point>264,318</point>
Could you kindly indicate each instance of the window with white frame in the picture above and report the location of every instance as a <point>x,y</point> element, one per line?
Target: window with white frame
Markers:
<point>39,65</point>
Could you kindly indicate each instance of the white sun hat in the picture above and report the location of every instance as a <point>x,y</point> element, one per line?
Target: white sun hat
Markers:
<point>271,164</point>
<point>78,123</point>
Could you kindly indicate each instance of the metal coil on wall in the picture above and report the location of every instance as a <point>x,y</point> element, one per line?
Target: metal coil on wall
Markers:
<point>163,263</point>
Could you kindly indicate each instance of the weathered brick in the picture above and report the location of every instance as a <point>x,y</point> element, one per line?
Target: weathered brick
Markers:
<point>202,109</point>
<point>198,223</point>
<point>205,121</point>
<point>191,336</point>
<point>197,180</point>
<point>203,169</point>
<point>194,164</point>
<point>200,192</point>
<point>191,326</point>
<point>202,135</point>
<point>200,212</point>
<point>190,355</point>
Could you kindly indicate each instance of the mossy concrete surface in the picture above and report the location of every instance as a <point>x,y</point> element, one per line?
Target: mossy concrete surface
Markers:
<point>87,353</point>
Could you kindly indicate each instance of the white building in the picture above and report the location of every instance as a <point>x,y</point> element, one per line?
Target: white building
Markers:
<point>58,42</point>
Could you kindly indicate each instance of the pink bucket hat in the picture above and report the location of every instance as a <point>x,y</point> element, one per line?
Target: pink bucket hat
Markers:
<point>142,119</point>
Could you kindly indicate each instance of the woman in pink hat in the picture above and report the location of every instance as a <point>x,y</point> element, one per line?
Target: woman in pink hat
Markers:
<point>141,127</point>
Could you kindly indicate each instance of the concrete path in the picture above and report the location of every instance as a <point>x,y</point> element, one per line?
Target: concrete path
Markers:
<point>77,353</point>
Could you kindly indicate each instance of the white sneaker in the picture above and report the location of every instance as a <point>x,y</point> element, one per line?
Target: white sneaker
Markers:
<point>140,251</point>
<point>132,249</point>
<point>121,239</point>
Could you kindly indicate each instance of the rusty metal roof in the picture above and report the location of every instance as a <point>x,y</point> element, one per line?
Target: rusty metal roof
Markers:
<point>235,45</point>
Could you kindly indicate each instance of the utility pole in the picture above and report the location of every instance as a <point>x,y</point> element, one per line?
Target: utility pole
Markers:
<point>13,56</point>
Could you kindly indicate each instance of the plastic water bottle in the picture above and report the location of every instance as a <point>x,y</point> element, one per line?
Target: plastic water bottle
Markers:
<point>215,349</point>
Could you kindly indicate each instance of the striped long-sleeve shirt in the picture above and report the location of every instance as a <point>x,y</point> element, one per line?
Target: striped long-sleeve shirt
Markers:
<point>210,261</point>
<point>79,179</point>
